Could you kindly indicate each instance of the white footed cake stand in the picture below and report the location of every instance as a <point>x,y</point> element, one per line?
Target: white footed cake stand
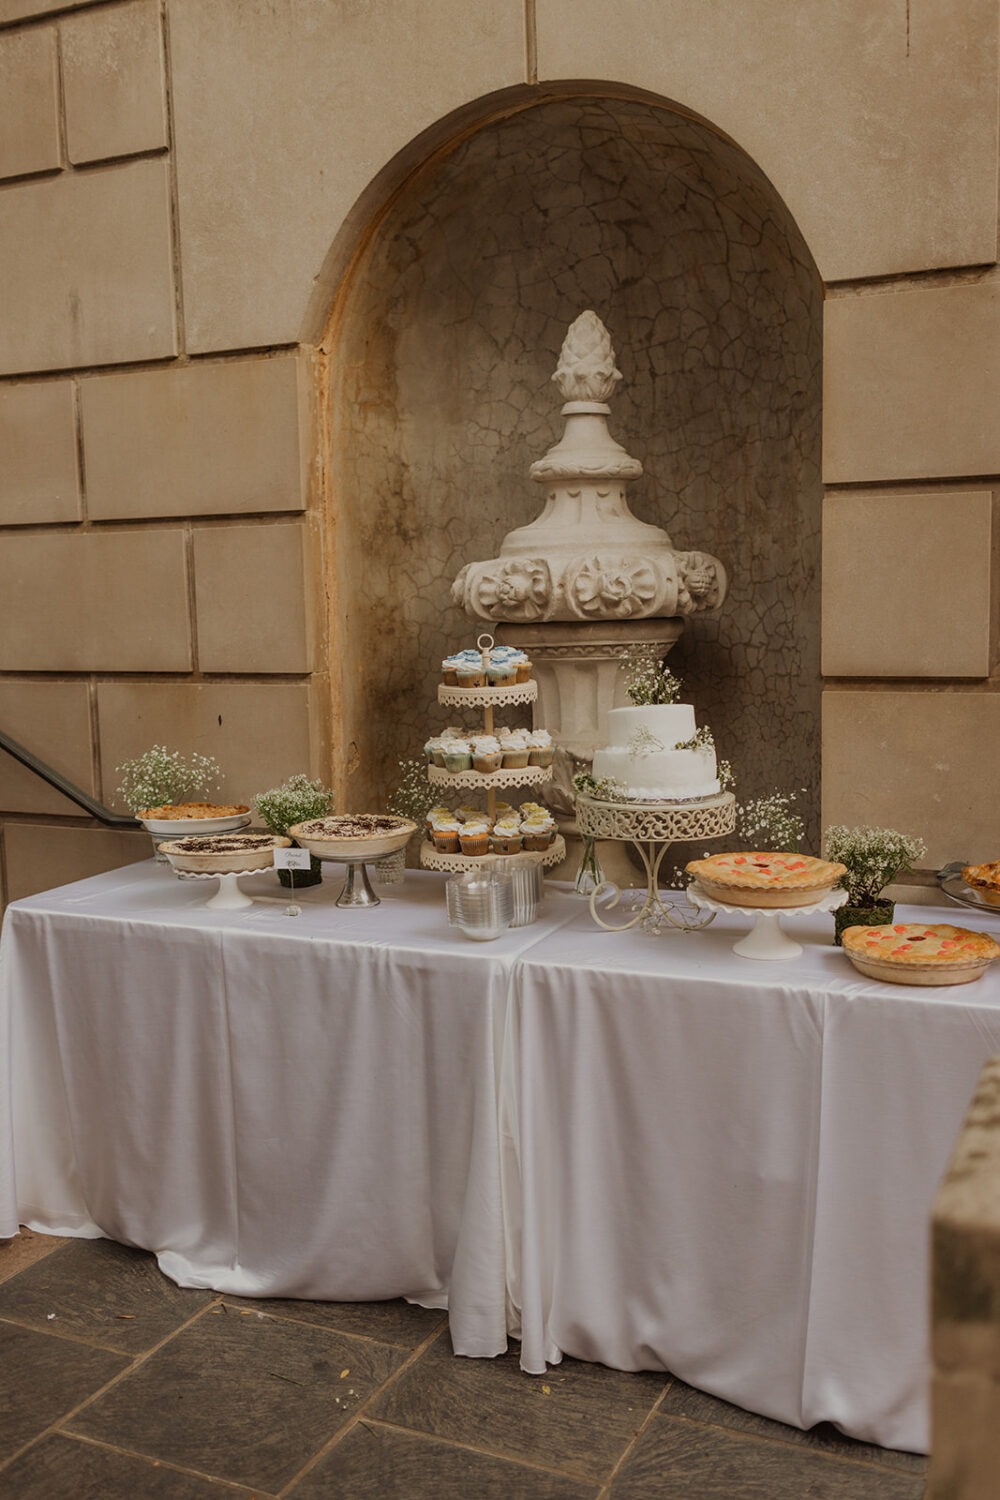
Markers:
<point>766,940</point>
<point>229,896</point>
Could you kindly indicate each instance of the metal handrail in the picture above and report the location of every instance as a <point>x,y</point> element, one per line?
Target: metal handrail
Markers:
<point>68,788</point>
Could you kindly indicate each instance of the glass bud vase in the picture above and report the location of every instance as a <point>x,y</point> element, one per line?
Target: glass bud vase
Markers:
<point>879,915</point>
<point>590,875</point>
<point>391,868</point>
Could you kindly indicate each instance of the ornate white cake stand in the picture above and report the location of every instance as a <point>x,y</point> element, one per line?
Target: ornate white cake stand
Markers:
<point>766,940</point>
<point>228,897</point>
<point>652,827</point>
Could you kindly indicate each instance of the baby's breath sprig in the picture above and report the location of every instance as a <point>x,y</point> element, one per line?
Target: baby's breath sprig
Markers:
<point>702,739</point>
<point>771,822</point>
<point>647,680</point>
<point>160,776</point>
<point>607,789</point>
<point>296,801</point>
<point>873,856</point>
<point>724,771</point>
<point>413,796</point>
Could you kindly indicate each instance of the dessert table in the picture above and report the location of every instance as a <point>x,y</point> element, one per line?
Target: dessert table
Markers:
<point>642,1150</point>
<point>287,1106</point>
<point>725,1168</point>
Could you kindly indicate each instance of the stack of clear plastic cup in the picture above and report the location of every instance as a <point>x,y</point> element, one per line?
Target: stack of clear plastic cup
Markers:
<point>481,903</point>
<point>528,882</point>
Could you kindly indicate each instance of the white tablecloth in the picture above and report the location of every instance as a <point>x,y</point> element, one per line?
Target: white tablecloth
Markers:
<point>725,1167</point>
<point>645,1151</point>
<point>277,1106</point>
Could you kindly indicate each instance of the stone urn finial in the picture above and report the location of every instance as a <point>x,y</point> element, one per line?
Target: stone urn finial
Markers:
<point>587,557</point>
<point>586,370</point>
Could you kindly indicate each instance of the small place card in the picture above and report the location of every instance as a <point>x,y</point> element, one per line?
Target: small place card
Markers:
<point>291,859</point>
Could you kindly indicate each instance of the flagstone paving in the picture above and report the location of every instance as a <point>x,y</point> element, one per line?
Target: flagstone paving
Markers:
<point>117,1385</point>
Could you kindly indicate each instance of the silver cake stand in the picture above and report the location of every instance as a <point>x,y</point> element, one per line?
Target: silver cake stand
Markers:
<point>355,853</point>
<point>652,827</point>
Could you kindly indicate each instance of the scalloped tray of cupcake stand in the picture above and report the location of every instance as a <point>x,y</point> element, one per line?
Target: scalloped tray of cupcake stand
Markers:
<point>489,698</point>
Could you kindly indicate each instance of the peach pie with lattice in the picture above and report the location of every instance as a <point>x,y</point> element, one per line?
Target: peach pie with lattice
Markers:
<point>765,878</point>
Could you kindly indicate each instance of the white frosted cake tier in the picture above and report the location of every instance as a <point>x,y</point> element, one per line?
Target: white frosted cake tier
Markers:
<point>643,756</point>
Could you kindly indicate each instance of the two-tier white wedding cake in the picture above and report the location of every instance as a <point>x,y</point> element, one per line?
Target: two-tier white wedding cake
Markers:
<point>654,757</point>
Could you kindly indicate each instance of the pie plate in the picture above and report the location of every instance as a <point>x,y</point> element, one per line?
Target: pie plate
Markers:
<point>752,897</point>
<point>181,827</point>
<point>320,837</point>
<point>922,974</point>
<point>223,861</point>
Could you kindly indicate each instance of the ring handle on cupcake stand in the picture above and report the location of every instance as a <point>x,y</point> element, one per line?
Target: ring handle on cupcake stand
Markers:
<point>767,939</point>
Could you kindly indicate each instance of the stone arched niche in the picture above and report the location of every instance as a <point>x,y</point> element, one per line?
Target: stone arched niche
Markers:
<point>446,336</point>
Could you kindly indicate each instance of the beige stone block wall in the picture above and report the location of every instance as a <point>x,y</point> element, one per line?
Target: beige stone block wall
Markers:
<point>875,122</point>
<point>19,10</point>
<point>965,1394</point>
<point>895,566</point>
<point>291,124</point>
<point>223,438</point>
<point>343,89</point>
<point>254,618</point>
<point>94,601</point>
<point>39,471</point>
<point>40,856</point>
<point>912,383</point>
<point>113,82</point>
<point>86,267</point>
<point>51,719</point>
<point>29,141</point>
<point>920,761</point>
<point>260,733</point>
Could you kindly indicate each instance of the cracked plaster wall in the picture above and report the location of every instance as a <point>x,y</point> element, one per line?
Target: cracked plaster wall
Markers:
<point>442,398</point>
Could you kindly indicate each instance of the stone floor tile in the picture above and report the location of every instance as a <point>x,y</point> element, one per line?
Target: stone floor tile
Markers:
<point>41,1379</point>
<point>102,1292</point>
<point>24,1250</point>
<point>578,1417</point>
<point>374,1462</point>
<point>241,1396</point>
<point>684,1401</point>
<point>677,1459</point>
<point>66,1468</point>
<point>396,1322</point>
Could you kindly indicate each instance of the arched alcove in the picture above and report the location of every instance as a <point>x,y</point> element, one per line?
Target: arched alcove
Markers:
<point>445,337</point>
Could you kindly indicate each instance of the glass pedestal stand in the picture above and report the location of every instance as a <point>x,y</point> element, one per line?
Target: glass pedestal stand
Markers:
<point>766,939</point>
<point>652,827</point>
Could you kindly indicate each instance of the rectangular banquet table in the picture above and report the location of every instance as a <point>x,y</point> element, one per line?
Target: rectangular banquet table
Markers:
<point>725,1167</point>
<point>287,1106</point>
<point>645,1151</point>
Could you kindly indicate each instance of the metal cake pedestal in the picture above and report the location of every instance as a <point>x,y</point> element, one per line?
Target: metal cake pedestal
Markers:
<point>652,827</point>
